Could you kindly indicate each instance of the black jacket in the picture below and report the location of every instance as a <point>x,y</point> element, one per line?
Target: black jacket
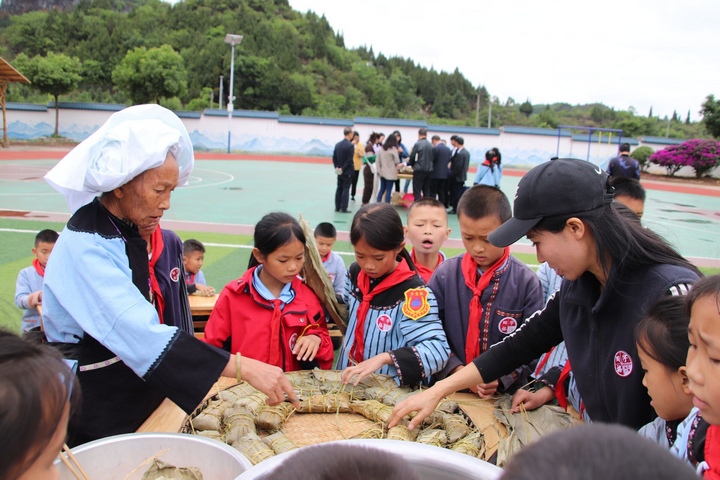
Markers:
<point>598,329</point>
<point>421,156</point>
<point>459,166</point>
<point>441,157</point>
<point>343,156</point>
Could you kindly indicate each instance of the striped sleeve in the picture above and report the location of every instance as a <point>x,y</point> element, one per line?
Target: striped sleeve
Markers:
<point>428,348</point>
<point>679,290</point>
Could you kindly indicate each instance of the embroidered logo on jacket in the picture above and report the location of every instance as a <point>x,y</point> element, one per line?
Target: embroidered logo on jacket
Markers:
<point>623,364</point>
<point>507,325</point>
<point>292,341</point>
<point>175,274</point>
<point>416,304</point>
<point>384,323</point>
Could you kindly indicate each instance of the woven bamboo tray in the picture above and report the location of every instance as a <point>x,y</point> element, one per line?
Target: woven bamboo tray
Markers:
<point>305,429</point>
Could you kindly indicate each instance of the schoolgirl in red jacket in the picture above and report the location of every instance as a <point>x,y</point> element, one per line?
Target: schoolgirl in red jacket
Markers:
<point>269,314</point>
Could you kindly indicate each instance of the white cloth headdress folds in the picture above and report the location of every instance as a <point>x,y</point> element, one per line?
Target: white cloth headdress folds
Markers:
<point>132,141</point>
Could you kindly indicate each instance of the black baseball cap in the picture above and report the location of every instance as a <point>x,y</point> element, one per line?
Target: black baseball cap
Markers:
<point>562,186</point>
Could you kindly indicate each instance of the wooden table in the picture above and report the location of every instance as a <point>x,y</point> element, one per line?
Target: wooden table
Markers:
<point>201,306</point>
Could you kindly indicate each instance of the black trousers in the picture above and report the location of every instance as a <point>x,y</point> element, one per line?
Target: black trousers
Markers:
<point>342,193</point>
<point>353,189</point>
<point>421,184</point>
<point>368,179</point>
<point>456,191</point>
<point>438,189</point>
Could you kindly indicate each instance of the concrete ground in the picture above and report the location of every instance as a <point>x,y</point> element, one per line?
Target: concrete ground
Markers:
<point>229,193</point>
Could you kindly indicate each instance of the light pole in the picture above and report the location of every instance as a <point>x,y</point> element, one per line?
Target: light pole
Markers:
<point>233,40</point>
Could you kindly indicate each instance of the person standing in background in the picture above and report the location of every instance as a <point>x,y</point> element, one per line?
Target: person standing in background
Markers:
<point>624,165</point>
<point>368,173</point>
<point>403,154</point>
<point>343,163</point>
<point>357,163</point>
<point>440,173</point>
<point>421,161</point>
<point>458,173</point>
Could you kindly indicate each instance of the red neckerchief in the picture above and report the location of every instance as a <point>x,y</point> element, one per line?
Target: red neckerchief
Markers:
<point>189,279</point>
<point>712,453</point>
<point>543,360</point>
<point>156,245</point>
<point>422,270</point>
<point>469,269</point>
<point>38,268</point>
<point>560,393</point>
<point>325,258</point>
<point>401,273</point>
<point>275,356</point>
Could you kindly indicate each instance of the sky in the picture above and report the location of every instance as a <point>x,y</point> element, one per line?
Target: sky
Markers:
<point>660,54</point>
<point>632,53</point>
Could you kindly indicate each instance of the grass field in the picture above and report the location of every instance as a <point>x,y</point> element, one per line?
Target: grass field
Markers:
<point>226,259</point>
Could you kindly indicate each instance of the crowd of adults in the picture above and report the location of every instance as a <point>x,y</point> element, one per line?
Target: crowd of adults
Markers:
<point>438,171</point>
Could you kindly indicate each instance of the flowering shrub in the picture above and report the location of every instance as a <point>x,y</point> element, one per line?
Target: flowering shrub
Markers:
<point>701,155</point>
<point>641,154</point>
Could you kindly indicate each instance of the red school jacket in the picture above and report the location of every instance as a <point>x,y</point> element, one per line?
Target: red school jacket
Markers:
<point>241,318</point>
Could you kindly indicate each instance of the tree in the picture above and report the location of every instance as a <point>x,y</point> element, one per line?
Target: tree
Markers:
<point>526,108</point>
<point>650,112</point>
<point>641,154</point>
<point>146,76</point>
<point>711,115</point>
<point>55,74</point>
<point>701,155</point>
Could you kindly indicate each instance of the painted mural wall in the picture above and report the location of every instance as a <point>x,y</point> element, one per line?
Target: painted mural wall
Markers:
<point>271,133</point>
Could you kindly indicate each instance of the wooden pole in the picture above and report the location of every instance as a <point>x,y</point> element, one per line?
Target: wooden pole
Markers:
<point>3,88</point>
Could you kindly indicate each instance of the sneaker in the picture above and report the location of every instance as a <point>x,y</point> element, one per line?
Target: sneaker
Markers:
<point>352,199</point>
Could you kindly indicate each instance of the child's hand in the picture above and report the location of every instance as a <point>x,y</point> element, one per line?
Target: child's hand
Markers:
<point>363,369</point>
<point>486,390</point>
<point>531,400</point>
<point>34,299</point>
<point>307,347</point>
<point>205,290</point>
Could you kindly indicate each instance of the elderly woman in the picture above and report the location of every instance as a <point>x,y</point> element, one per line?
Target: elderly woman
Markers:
<point>101,303</point>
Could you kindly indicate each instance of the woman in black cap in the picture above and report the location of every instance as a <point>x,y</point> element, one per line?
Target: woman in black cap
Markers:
<point>614,269</point>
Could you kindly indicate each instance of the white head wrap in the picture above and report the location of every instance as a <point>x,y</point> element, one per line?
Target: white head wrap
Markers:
<point>132,141</point>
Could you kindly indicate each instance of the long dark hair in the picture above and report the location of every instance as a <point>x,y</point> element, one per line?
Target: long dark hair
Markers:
<point>627,243</point>
<point>381,227</point>
<point>272,232</point>
<point>662,332</point>
<point>35,386</point>
<point>390,142</point>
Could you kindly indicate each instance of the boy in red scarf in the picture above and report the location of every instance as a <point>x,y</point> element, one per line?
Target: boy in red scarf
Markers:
<point>484,294</point>
<point>427,229</point>
<point>28,289</point>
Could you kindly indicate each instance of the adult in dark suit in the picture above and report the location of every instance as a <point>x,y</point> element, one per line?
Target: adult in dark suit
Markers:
<point>343,162</point>
<point>421,161</point>
<point>438,179</point>
<point>458,173</point>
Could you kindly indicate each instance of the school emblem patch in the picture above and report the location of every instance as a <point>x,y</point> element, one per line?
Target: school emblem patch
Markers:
<point>508,325</point>
<point>623,364</point>
<point>292,341</point>
<point>384,323</point>
<point>416,304</point>
<point>175,274</point>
